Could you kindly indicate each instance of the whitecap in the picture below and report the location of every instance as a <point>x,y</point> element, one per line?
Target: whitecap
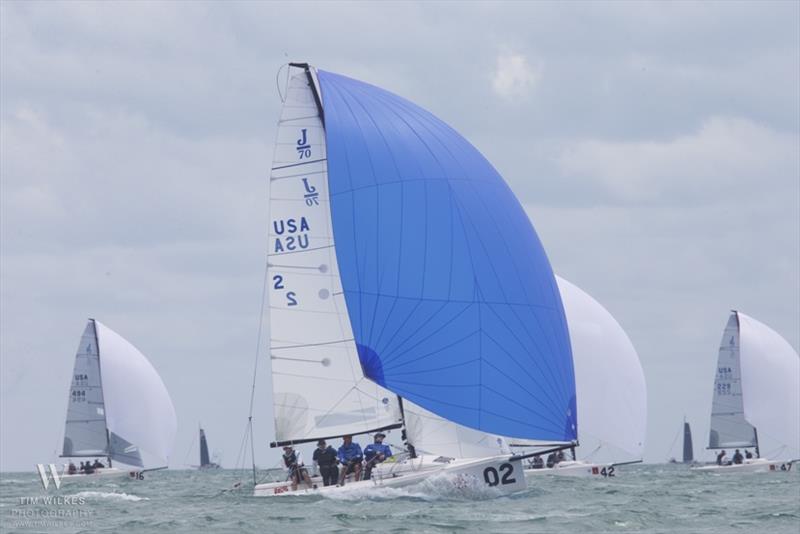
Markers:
<point>110,496</point>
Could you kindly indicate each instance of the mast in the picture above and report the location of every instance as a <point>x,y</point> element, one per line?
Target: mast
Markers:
<point>404,436</point>
<point>317,100</point>
<point>102,393</point>
<point>755,433</point>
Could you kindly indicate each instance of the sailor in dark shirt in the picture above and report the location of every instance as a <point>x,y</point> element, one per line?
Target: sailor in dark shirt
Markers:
<point>737,457</point>
<point>325,457</point>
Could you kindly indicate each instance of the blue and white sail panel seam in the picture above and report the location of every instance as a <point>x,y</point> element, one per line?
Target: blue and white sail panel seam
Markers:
<point>450,294</point>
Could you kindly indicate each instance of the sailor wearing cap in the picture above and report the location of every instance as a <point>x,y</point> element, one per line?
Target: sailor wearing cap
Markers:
<point>294,464</point>
<point>375,453</point>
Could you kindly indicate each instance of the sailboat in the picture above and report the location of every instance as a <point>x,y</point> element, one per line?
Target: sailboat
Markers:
<point>403,271</point>
<point>205,459</point>
<point>756,397</point>
<point>612,391</point>
<point>612,421</point>
<point>118,408</point>
<point>688,448</point>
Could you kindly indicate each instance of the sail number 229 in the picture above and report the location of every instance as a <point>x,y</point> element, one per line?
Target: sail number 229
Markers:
<point>493,477</point>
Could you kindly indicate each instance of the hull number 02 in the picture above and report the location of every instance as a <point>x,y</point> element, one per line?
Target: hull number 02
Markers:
<point>493,478</point>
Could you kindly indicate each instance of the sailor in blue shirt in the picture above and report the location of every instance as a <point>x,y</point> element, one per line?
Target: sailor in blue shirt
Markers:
<point>350,457</point>
<point>375,453</point>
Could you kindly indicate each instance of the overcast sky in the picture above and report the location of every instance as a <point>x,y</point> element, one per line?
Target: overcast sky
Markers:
<point>654,145</point>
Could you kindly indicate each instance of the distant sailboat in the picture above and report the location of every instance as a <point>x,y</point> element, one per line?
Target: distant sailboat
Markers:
<point>756,391</point>
<point>611,387</point>
<point>118,407</point>
<point>688,449</point>
<point>205,459</point>
<point>403,271</point>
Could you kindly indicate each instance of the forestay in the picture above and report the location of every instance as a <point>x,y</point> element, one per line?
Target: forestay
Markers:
<point>319,390</point>
<point>729,428</point>
<point>451,299</point>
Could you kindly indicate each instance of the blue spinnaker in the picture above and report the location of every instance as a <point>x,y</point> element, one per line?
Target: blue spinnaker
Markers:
<point>451,297</point>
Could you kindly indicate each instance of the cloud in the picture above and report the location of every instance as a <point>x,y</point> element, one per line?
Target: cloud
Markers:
<point>726,156</point>
<point>514,76</point>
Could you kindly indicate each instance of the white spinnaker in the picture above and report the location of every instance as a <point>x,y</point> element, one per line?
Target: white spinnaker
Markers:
<point>729,428</point>
<point>85,429</point>
<point>318,386</point>
<point>139,410</point>
<point>770,387</point>
<point>612,393</point>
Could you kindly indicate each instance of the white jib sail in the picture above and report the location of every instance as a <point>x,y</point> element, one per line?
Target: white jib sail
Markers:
<point>85,431</point>
<point>139,412</point>
<point>318,386</point>
<point>770,387</point>
<point>612,393</point>
<point>729,428</point>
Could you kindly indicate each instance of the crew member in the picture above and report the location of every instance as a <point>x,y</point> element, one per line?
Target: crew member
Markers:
<point>325,458</point>
<point>375,453</point>
<point>350,456</point>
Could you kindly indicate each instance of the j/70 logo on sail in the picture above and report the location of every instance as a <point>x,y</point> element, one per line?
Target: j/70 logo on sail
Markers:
<point>43,475</point>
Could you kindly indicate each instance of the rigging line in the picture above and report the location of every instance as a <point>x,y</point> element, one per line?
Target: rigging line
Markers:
<point>255,369</point>
<point>278,82</point>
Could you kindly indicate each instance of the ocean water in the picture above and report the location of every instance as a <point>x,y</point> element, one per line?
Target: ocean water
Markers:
<point>643,498</point>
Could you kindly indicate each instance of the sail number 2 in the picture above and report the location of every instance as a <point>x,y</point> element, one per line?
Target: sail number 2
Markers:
<point>492,477</point>
<point>291,296</point>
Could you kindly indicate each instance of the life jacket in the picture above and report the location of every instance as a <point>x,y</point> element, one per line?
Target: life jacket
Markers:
<point>290,460</point>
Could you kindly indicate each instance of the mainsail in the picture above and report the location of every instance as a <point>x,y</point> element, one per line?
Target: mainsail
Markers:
<point>402,265</point>
<point>729,428</point>
<point>85,430</point>
<point>118,405</point>
<point>319,390</point>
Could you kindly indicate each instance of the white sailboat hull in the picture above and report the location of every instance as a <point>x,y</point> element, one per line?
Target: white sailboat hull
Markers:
<point>99,474</point>
<point>496,472</point>
<point>574,469</point>
<point>756,465</point>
